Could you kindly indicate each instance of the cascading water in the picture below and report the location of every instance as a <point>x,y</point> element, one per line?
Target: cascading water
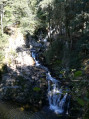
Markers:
<point>34,57</point>
<point>58,102</point>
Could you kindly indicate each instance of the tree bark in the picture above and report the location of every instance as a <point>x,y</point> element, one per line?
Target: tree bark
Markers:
<point>2,23</point>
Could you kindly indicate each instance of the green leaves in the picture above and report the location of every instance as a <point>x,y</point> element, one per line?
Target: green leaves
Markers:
<point>78,74</point>
<point>37,89</point>
<point>81,101</point>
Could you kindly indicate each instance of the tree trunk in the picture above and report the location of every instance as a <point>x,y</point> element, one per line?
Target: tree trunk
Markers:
<point>1,23</point>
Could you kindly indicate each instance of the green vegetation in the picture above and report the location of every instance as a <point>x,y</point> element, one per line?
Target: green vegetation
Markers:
<point>78,73</point>
<point>66,23</point>
<point>37,89</point>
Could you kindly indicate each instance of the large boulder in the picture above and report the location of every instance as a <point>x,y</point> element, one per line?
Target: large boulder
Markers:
<point>28,87</point>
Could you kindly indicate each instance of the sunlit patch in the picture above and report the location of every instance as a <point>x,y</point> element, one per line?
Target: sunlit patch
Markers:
<point>22,109</point>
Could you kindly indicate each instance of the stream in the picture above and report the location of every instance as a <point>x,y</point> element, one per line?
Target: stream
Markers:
<point>59,102</point>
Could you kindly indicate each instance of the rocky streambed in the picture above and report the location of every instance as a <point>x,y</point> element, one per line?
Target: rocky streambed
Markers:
<point>24,82</point>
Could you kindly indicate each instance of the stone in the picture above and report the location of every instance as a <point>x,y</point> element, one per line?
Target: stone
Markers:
<point>23,75</point>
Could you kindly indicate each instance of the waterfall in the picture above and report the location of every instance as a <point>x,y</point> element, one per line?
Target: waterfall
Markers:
<point>34,57</point>
<point>58,102</point>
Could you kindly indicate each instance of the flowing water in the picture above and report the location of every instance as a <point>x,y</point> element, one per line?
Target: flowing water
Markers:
<point>58,101</point>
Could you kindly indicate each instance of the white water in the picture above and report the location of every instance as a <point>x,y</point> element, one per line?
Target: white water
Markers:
<point>57,101</point>
<point>34,57</point>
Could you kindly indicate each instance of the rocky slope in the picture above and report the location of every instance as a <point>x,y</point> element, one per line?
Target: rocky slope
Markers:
<point>23,81</point>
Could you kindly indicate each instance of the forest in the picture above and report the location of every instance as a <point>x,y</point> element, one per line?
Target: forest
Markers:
<point>44,60</point>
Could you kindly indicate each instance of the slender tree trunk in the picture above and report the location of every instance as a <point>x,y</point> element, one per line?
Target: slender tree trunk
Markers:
<point>2,23</point>
<point>1,15</point>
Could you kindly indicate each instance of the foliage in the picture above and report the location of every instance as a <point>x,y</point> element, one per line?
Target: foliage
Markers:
<point>80,101</point>
<point>64,20</point>
<point>37,89</point>
<point>53,52</point>
<point>78,73</point>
